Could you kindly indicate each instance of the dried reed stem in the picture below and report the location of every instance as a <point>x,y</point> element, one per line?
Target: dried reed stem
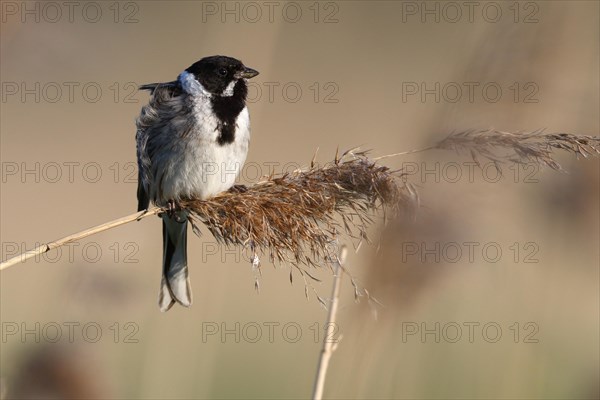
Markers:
<point>78,236</point>
<point>330,344</point>
<point>292,216</point>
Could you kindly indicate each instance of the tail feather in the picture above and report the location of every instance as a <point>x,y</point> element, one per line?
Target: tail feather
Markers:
<point>165,300</point>
<point>175,283</point>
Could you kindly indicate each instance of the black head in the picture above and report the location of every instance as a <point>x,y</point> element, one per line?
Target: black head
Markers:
<point>216,73</point>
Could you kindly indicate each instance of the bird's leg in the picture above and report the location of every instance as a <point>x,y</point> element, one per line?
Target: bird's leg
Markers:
<point>171,208</point>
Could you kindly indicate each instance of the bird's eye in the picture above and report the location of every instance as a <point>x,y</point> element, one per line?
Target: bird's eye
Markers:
<point>222,71</point>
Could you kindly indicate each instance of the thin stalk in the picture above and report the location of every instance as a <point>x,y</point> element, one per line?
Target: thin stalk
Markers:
<point>329,344</point>
<point>44,248</point>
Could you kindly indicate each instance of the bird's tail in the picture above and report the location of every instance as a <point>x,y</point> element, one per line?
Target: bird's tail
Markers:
<point>175,283</point>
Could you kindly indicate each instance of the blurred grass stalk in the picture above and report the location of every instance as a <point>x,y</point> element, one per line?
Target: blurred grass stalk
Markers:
<point>329,344</point>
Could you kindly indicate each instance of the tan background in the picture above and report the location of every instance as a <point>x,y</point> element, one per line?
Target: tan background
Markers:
<point>367,54</point>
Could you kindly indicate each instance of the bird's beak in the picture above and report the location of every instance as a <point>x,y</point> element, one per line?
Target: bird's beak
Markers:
<point>248,73</point>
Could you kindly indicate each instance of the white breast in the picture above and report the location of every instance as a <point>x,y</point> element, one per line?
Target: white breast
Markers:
<point>201,167</point>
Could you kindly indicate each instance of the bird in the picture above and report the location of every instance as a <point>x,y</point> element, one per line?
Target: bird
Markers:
<point>192,140</point>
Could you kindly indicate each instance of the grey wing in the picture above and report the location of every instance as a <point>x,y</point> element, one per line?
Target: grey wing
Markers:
<point>154,117</point>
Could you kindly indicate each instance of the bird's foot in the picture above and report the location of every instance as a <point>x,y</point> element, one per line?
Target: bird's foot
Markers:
<point>171,208</point>
<point>239,189</point>
<point>174,211</point>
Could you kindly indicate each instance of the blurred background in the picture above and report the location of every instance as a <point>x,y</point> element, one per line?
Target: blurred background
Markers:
<point>492,293</point>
